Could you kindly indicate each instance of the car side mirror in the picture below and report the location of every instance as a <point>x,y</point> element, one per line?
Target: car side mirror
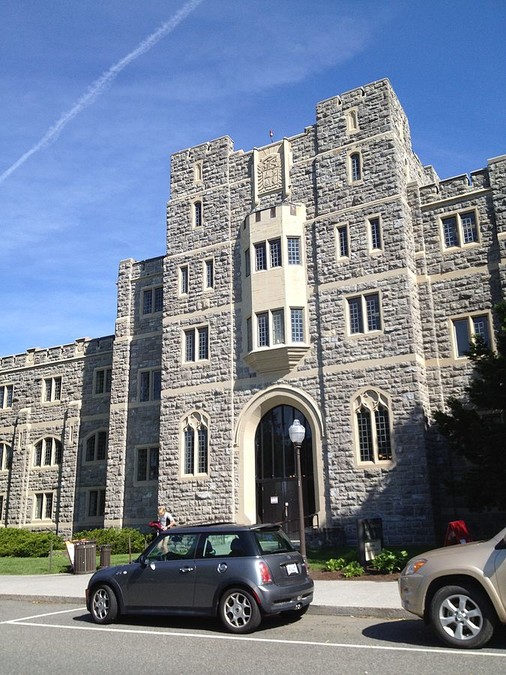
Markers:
<point>142,560</point>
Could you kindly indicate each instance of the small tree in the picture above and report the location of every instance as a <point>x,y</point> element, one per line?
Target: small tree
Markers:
<point>476,427</point>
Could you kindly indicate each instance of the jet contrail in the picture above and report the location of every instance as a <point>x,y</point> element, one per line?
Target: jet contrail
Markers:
<point>100,85</point>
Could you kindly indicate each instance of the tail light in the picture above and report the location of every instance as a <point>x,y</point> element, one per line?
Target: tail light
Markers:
<point>265,573</point>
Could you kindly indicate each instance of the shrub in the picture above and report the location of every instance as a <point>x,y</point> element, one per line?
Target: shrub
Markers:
<point>117,538</point>
<point>388,561</point>
<point>335,564</point>
<point>18,543</point>
<point>352,569</point>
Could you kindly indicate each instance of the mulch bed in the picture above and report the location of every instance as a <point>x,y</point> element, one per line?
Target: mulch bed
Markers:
<point>322,575</point>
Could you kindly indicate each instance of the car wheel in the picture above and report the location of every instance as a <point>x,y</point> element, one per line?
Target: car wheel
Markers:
<point>238,611</point>
<point>104,605</point>
<point>462,617</point>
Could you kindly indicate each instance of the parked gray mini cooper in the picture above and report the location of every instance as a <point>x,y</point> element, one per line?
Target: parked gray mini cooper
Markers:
<point>236,572</point>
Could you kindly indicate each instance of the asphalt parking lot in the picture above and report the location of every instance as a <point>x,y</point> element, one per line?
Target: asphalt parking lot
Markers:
<point>46,637</point>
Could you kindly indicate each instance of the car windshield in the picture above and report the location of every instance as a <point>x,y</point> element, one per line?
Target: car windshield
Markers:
<point>273,541</point>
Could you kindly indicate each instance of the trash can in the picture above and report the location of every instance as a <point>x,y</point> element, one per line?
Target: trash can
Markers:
<point>85,557</point>
<point>105,555</point>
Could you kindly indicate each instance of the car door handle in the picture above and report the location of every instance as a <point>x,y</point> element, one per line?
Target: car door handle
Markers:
<point>184,570</point>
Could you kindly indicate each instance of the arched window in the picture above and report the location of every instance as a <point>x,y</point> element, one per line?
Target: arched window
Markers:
<point>355,167</point>
<point>197,213</point>
<point>96,447</point>
<point>195,445</point>
<point>48,452</point>
<point>372,426</point>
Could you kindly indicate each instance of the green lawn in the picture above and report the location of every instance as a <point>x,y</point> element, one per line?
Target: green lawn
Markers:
<point>57,564</point>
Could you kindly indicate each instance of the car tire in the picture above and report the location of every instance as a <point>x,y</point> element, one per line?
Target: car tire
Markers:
<point>238,611</point>
<point>103,605</point>
<point>462,617</point>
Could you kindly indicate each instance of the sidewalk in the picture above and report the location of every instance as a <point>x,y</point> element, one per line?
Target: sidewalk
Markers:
<point>344,598</point>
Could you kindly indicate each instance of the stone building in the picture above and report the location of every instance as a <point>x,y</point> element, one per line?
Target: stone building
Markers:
<point>328,277</point>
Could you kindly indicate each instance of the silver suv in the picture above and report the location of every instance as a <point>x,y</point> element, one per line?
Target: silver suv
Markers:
<point>459,590</point>
<point>236,572</point>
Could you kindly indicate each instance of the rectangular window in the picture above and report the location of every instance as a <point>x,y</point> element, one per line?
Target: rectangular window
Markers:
<point>43,506</point>
<point>52,389</point>
<point>196,344</point>
<point>209,274</point>
<point>365,440</point>
<point>96,447</point>
<point>364,313</point>
<point>202,450</point>
<point>150,385</point>
<point>147,465</point>
<point>278,326</point>
<point>275,251</point>
<point>5,457</point>
<point>293,245</point>
<point>184,280</point>
<point>375,234</point>
<point>197,214</point>
<point>2,502</point>
<point>6,395</point>
<point>342,241</point>
<point>467,329</point>
<point>263,329</point>
<point>459,229</point>
<point>103,381</point>
<point>96,503</point>
<point>297,324</point>
<point>152,300</point>
<point>260,257</point>
<point>189,451</point>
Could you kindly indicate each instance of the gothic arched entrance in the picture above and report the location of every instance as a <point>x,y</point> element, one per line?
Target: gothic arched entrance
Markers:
<point>276,479</point>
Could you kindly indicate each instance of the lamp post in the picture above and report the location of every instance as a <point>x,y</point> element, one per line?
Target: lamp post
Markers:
<point>297,433</point>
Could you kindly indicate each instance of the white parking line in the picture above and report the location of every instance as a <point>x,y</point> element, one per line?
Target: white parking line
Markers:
<point>246,638</point>
<point>39,616</point>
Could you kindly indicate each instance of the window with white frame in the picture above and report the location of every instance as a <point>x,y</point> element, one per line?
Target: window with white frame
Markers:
<point>184,280</point>
<point>275,252</point>
<point>297,324</point>
<point>6,395</point>
<point>355,167</point>
<point>47,452</point>
<point>150,385</point>
<point>43,506</point>
<point>195,445</point>
<point>364,314</point>
<point>459,229</point>
<point>263,339</point>
<point>152,300</point>
<point>95,503</point>
<point>260,256</point>
<point>147,465</point>
<point>293,248</point>
<point>103,381</point>
<point>2,506</point>
<point>375,238</point>
<point>371,412</point>
<point>52,389</point>
<point>5,457</point>
<point>467,330</point>
<point>196,344</point>
<point>343,249</point>
<point>96,447</point>
<point>208,274</point>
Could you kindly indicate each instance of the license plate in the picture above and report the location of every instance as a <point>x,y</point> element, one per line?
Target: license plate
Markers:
<point>292,568</point>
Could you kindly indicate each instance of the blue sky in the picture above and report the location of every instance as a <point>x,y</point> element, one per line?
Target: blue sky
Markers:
<point>95,100</point>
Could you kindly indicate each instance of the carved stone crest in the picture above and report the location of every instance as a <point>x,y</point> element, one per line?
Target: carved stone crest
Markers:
<point>269,173</point>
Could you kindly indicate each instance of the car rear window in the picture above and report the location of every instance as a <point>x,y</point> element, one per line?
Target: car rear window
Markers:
<point>273,541</point>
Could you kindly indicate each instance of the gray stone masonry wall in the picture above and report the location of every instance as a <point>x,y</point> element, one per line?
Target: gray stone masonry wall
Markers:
<point>411,360</point>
